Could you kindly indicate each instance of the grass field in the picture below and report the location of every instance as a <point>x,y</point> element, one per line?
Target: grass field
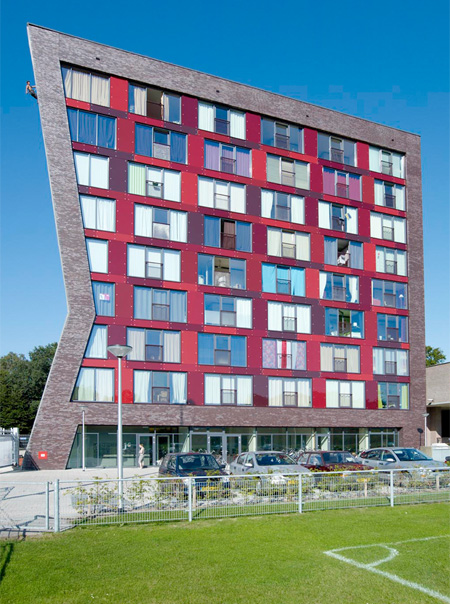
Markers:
<point>267,560</point>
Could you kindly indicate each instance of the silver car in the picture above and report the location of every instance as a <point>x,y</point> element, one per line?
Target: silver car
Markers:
<point>267,462</point>
<point>393,458</point>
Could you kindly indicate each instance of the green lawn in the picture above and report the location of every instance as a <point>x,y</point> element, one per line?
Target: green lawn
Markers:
<point>268,560</point>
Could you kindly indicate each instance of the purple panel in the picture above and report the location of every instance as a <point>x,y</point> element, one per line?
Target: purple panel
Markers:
<point>189,111</point>
<point>195,228</point>
<point>317,319</point>
<point>260,391</point>
<point>328,181</point>
<point>118,174</point>
<point>253,200</point>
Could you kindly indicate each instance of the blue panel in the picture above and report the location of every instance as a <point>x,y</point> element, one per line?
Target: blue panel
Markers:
<point>205,349</point>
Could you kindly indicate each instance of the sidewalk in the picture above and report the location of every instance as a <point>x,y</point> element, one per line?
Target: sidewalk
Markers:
<point>10,474</point>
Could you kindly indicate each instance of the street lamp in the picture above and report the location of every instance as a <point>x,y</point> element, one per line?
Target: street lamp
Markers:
<point>119,351</point>
<point>83,439</point>
<point>425,415</point>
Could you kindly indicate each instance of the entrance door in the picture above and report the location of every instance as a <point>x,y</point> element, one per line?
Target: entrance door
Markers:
<point>233,447</point>
<point>147,441</point>
<point>216,446</point>
<point>162,445</point>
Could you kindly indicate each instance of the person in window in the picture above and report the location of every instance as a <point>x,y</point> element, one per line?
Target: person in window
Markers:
<point>343,259</point>
<point>141,456</point>
<point>29,89</point>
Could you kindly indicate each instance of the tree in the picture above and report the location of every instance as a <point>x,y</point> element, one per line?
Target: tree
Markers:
<point>434,356</point>
<point>22,383</point>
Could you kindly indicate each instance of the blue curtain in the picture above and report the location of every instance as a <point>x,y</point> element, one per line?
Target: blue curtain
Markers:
<point>381,327</point>
<point>206,349</point>
<point>269,278</point>
<point>106,132</point>
<point>104,298</point>
<point>267,132</point>
<point>72,114</point>
<point>330,247</point>
<point>142,303</point>
<point>178,306</point>
<point>143,141</point>
<point>212,231</point>
<point>238,351</point>
<point>357,317</point>
<point>295,139</point>
<point>205,269</point>
<point>87,128</point>
<point>178,147</point>
<point>237,273</point>
<point>331,321</point>
<point>243,236</point>
<point>298,281</point>
<point>284,285</point>
<point>356,255</point>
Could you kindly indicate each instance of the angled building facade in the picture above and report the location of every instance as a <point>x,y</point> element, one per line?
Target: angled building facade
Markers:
<point>262,257</point>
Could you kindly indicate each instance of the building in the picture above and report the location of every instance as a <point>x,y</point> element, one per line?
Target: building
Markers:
<point>262,256</point>
<point>438,404</point>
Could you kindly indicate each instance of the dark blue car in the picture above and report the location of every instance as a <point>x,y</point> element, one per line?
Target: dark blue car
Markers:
<point>210,477</point>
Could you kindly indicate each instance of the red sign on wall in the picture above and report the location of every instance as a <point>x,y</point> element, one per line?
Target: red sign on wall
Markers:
<point>42,454</point>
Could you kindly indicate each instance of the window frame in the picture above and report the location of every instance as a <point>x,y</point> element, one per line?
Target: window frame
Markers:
<point>395,286</point>
<point>162,332</point>
<point>339,311</point>
<point>278,123</point>
<point>83,369</point>
<point>398,320</point>
<point>97,116</point>
<point>168,294</point>
<point>164,94</point>
<point>285,381</point>
<point>71,69</point>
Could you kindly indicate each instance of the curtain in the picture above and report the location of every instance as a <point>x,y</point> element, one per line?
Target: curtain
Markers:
<point>353,359</point>
<point>243,236</point>
<point>237,273</point>
<point>332,393</point>
<point>237,124</point>
<point>171,265</point>
<point>143,220</point>
<point>89,212</point>
<point>103,298</point>
<point>172,185</point>
<point>238,351</point>
<point>275,392</point>
<point>178,147</point>
<point>178,226</point>
<point>330,251</point>
<point>206,349</point>
<point>205,116</point>
<point>397,165</point>
<point>171,346</point>
<point>81,86</point>
<point>211,227</point>
<point>106,132</point>
<point>212,389</point>
<point>356,255</point>
<point>404,397</point>
<point>244,312</point>
<point>326,357</point>
<point>302,246</point>
<point>67,81</point>
<point>143,140</point>
<point>273,242</point>
<point>100,91</point>
<point>303,319</point>
<point>72,115</point>
<point>354,182</point>
<point>244,385</point>
<point>178,307</point>
<point>104,385</point>
<point>331,321</point>
<point>96,348</point>
<point>374,159</point>
<point>304,393</point>
<point>403,329</point>
<point>324,215</point>
<point>299,355</point>
<point>380,260</point>
<point>142,386</point>
<point>205,269</point>
<point>86,385</point>
<point>138,100</point>
<point>268,272</point>
<point>99,172</point>
<point>400,230</point>
<point>379,193</point>
<point>81,167</point>
<point>178,388</point>
<point>297,281</point>
<point>352,286</point>
<point>301,175</point>
<point>378,360</point>
<point>136,179</point>
<point>351,220</point>
<point>136,261</point>
<point>329,181</point>
<point>98,255</point>
<point>376,225</point>
<point>401,263</point>
<point>205,192</point>
<point>142,303</point>
<point>212,155</point>
<point>323,279</point>
<point>237,198</point>
<point>106,214</point>
<point>400,197</point>
<point>136,339</point>
<point>267,203</point>
<point>274,316</point>
<point>273,169</point>
<point>269,353</point>
<point>323,146</point>
<point>297,209</point>
<point>358,395</point>
<point>243,162</point>
<point>402,362</point>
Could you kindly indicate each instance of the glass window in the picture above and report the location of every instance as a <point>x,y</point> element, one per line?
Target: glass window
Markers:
<point>221,272</point>
<point>98,213</point>
<point>227,158</point>
<point>84,86</point>
<point>103,298</point>
<point>222,350</point>
<point>160,305</point>
<point>94,385</point>
<point>92,128</point>
<point>344,323</point>
<point>91,170</point>
<point>283,136</point>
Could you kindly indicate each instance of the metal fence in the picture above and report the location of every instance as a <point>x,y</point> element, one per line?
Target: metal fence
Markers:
<point>64,504</point>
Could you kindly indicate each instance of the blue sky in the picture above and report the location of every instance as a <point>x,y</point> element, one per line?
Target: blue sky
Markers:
<point>383,62</point>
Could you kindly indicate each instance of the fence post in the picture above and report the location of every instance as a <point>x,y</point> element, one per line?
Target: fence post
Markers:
<point>190,499</point>
<point>300,494</point>
<point>56,493</point>
<point>391,487</point>
<point>47,506</point>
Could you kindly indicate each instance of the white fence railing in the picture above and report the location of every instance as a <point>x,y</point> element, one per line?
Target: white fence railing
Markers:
<point>64,504</point>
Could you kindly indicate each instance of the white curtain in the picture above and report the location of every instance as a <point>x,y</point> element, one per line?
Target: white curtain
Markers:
<point>171,346</point>
<point>98,340</point>
<point>402,362</point>
<point>136,261</point>
<point>400,197</point>
<point>353,286</point>
<point>351,216</point>
<point>205,116</point>
<point>379,260</point>
<point>273,242</point>
<point>106,214</point>
<point>104,387</point>
<point>205,192</point>
<point>379,193</point>
<point>178,226</point>
<point>404,393</point>
<point>303,319</point>
<point>237,124</point>
<point>99,175</point>
<point>143,220</point>
<point>401,263</point>
<point>304,393</point>
<point>397,165</point>
<point>212,389</point>
<point>301,175</point>
<point>237,198</point>
<point>100,91</point>
<point>81,167</point>
<point>172,185</point>
<point>244,390</point>
<point>274,316</point>
<point>267,201</point>
<point>222,195</point>
<point>98,255</point>
<point>358,395</point>
<point>374,159</point>
<point>378,360</point>
<point>67,76</point>
<point>400,230</point>
<point>244,312</point>
<point>273,168</point>
<point>171,266</point>
<point>352,359</point>
<point>140,100</point>
<point>324,215</point>
<point>297,209</point>
<point>332,393</point>
<point>322,284</point>
<point>86,384</point>
<point>136,179</point>
<point>178,388</point>
<point>302,246</point>
<point>89,211</point>
<point>81,86</point>
<point>136,339</point>
<point>375,225</point>
<point>142,386</point>
<point>326,357</point>
<point>275,392</point>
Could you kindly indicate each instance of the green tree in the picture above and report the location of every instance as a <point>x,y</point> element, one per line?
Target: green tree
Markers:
<point>22,382</point>
<point>434,356</point>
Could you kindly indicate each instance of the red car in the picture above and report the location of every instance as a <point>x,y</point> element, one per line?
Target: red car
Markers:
<point>330,461</point>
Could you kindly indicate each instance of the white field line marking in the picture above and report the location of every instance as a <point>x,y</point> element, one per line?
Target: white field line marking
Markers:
<point>392,554</point>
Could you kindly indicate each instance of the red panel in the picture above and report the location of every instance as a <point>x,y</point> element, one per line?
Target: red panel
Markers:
<point>196,152</point>
<point>362,155</point>
<point>253,276</point>
<point>189,191</point>
<point>125,217</point>
<point>258,165</point>
<point>189,111</point>
<point>125,135</point>
<point>316,178</point>
<point>372,395</point>
<point>364,222</point>
<point>369,257</point>
<point>259,239</point>
<point>317,253</point>
<point>311,211</point>
<point>313,356</point>
<point>119,94</point>
<point>368,189</point>
<point>312,283</point>
<point>310,142</point>
<point>319,393</point>
<point>253,128</point>
<point>366,360</point>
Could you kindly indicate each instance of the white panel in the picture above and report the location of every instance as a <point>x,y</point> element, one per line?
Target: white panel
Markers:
<point>358,395</point>
<point>400,230</point>
<point>401,263</point>
<point>303,319</point>
<point>274,316</point>
<point>332,393</point>
<point>297,209</point>
<point>237,124</point>
<point>400,197</point>
<point>302,246</point>
<point>273,242</point>
<point>212,389</point>
<point>143,220</point>
<point>379,193</point>
<point>244,312</point>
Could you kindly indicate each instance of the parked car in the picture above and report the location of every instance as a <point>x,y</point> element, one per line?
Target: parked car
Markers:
<point>274,463</point>
<point>393,458</point>
<point>330,461</point>
<point>209,475</point>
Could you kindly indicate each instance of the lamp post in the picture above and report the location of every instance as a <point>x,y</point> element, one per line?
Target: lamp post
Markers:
<point>119,351</point>
<point>83,439</point>
<point>425,415</point>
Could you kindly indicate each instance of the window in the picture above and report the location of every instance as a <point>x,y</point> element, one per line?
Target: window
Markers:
<point>390,294</point>
<point>390,361</point>
<point>336,357</point>
<point>221,195</point>
<point>161,144</point>
<point>92,170</point>
<point>228,311</point>
<point>341,288</point>
<point>104,298</point>
<point>154,345</point>
<point>94,385</point>
<point>389,195</point>
<point>345,394</point>
<point>92,128</point>
<point>160,304</point>
<point>284,354</point>
<point>340,252</point>
<point>98,341</point>
<point>392,328</point>
<point>390,260</point>
<point>151,221</point>
<point>215,349</point>
<point>344,323</point>
<point>342,184</point>
<point>215,118</point>
<point>98,213</point>
<point>97,251</point>
<point>283,136</point>
<point>282,206</point>
<point>383,226</point>
<point>85,86</point>
<point>338,218</point>
<point>154,182</point>
<point>154,103</point>
<point>336,149</point>
<point>386,162</point>
<point>227,234</point>
<point>393,395</point>
<point>159,387</point>
<point>288,244</point>
<point>227,158</point>
<point>283,279</point>
<point>228,389</point>
<point>288,317</point>
<point>284,171</point>
<point>289,392</point>
<point>153,263</point>
<point>221,272</point>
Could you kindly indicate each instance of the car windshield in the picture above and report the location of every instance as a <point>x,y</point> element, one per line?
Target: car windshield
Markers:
<point>197,462</point>
<point>410,455</point>
<point>339,457</point>
<point>274,459</point>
